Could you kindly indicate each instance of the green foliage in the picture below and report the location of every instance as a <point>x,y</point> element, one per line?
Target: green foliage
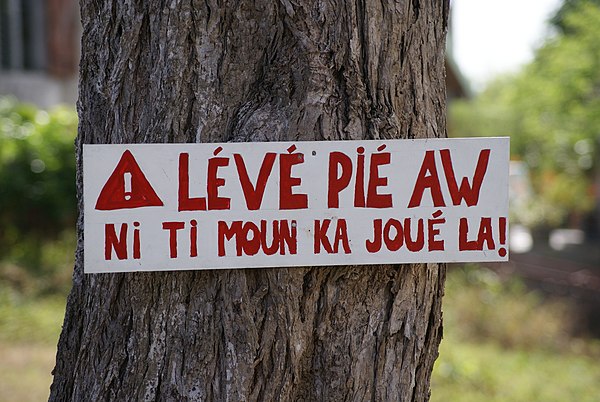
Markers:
<point>551,110</point>
<point>467,371</point>
<point>25,319</point>
<point>37,179</point>
<point>37,183</point>
<point>503,342</point>
<point>567,7</point>
<point>51,275</point>
<point>483,308</point>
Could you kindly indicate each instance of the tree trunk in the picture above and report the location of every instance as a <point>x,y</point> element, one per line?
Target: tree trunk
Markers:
<point>204,71</point>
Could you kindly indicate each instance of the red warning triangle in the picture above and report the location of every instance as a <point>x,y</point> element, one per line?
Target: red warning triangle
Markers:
<point>127,187</point>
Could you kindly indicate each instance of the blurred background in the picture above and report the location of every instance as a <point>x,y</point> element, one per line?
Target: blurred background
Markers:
<point>526,330</point>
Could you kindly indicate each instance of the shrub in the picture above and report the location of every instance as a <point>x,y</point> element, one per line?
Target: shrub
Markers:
<point>37,182</point>
<point>482,307</point>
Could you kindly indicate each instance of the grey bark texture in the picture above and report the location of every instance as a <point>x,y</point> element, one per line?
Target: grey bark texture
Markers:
<point>218,71</point>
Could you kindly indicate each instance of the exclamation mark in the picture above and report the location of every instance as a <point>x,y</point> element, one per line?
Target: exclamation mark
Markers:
<point>502,224</point>
<point>127,179</point>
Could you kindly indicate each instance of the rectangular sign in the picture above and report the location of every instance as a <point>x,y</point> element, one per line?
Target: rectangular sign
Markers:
<point>162,207</point>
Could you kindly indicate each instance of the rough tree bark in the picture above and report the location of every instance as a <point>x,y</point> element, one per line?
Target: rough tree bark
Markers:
<point>218,71</point>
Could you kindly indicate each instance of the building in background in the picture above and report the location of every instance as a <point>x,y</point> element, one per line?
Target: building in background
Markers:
<point>456,85</point>
<point>39,50</point>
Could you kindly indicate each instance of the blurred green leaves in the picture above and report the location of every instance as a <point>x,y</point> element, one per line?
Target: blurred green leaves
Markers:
<point>37,185</point>
<point>505,342</point>
<point>486,308</point>
<point>551,110</point>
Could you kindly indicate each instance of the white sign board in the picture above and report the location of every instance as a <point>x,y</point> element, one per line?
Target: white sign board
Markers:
<point>161,207</point>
